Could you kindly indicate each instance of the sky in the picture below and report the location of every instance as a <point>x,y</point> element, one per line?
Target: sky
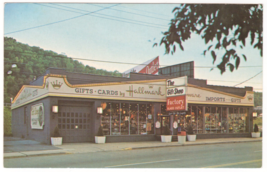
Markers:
<point>120,33</point>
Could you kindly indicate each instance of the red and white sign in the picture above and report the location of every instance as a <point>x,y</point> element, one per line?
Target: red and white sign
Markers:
<point>177,103</point>
<point>151,68</point>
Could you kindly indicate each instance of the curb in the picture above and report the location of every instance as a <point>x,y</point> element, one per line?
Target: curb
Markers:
<point>192,144</point>
<point>31,153</point>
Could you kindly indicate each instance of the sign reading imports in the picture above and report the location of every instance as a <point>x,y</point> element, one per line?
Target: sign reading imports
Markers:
<point>37,116</point>
<point>177,103</point>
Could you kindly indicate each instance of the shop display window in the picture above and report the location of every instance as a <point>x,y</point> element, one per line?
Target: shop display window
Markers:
<point>194,118</point>
<point>181,122</point>
<point>150,119</point>
<point>125,119</point>
<point>207,119</point>
<point>115,119</point>
<point>105,121</point>
<point>134,122</point>
<point>200,119</point>
<point>142,119</point>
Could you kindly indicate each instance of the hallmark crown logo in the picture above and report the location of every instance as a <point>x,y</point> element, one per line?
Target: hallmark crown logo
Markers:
<point>56,85</point>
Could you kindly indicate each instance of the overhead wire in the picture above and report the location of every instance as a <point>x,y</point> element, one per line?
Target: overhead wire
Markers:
<point>128,63</point>
<point>249,79</point>
<point>123,6</point>
<point>60,20</point>
<point>131,13</point>
<point>85,81</point>
<point>105,15</point>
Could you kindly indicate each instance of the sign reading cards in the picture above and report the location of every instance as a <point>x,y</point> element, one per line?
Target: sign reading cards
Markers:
<point>37,116</point>
<point>177,103</point>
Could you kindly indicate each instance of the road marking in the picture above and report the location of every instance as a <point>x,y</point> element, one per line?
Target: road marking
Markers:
<point>223,165</point>
<point>150,162</point>
<point>258,151</point>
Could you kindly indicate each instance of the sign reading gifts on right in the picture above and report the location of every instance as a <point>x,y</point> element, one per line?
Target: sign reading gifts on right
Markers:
<point>176,94</point>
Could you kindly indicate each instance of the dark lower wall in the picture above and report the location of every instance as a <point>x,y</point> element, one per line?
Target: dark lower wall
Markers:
<point>133,138</point>
<point>23,129</point>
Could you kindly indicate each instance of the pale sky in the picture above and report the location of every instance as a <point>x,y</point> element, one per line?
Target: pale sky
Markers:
<point>120,33</point>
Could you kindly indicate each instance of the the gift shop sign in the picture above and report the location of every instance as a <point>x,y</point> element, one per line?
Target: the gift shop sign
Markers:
<point>177,103</point>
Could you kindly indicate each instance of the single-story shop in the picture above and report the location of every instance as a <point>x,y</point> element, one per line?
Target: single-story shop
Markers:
<point>133,109</point>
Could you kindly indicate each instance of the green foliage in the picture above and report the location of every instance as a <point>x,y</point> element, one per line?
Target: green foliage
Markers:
<point>256,128</point>
<point>257,99</point>
<point>257,121</point>
<point>100,131</point>
<point>7,121</point>
<point>190,130</point>
<point>223,25</point>
<point>32,62</point>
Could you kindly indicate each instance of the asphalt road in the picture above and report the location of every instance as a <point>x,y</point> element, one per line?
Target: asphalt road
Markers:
<point>235,155</point>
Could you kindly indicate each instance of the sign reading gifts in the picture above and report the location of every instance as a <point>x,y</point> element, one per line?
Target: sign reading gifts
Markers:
<point>177,103</point>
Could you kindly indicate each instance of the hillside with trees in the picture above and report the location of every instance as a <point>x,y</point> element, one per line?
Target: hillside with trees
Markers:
<point>28,62</point>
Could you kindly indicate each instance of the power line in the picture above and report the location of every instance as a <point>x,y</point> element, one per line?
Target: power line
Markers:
<point>131,13</point>
<point>104,61</point>
<point>104,15</point>
<point>143,10</point>
<point>110,18</point>
<point>61,20</point>
<point>248,79</point>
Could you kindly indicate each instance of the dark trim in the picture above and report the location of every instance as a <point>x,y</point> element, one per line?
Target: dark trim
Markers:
<point>130,138</point>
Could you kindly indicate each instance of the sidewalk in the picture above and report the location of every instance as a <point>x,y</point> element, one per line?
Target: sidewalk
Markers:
<point>16,148</point>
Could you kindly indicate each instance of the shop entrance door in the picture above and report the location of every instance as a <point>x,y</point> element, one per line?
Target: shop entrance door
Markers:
<point>165,122</point>
<point>74,123</point>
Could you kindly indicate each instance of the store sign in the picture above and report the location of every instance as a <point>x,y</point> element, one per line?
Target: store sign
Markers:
<point>37,116</point>
<point>151,68</point>
<point>198,95</point>
<point>135,90</point>
<point>177,103</point>
<point>180,81</point>
<point>175,91</point>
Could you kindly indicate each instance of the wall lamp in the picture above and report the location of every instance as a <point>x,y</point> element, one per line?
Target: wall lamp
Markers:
<point>99,110</point>
<point>54,110</point>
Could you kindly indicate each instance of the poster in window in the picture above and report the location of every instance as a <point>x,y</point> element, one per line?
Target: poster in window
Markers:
<point>148,127</point>
<point>37,116</point>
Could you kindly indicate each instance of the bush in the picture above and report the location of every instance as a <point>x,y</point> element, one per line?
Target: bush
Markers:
<point>100,132</point>
<point>7,121</point>
<point>256,128</point>
<point>190,130</point>
<point>56,132</point>
<point>166,131</point>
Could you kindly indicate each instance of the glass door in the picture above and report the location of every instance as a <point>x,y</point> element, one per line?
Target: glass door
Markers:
<point>165,122</point>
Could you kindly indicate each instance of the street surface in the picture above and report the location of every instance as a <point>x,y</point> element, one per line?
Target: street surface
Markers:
<point>233,155</point>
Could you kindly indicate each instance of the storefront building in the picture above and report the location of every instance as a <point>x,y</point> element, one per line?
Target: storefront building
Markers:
<point>134,109</point>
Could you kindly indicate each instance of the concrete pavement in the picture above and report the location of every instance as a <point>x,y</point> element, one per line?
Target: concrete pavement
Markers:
<point>16,147</point>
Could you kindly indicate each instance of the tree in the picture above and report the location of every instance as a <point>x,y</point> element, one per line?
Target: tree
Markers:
<point>32,62</point>
<point>224,26</point>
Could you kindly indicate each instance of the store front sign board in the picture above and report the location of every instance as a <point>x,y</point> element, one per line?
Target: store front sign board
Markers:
<point>209,96</point>
<point>177,91</point>
<point>177,103</point>
<point>154,91</point>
